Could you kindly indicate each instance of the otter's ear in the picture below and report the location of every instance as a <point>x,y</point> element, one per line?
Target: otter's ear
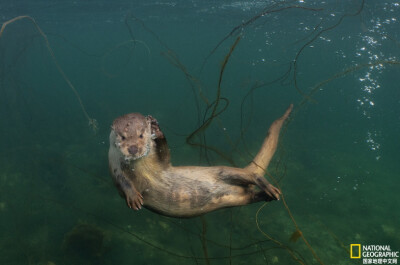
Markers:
<point>155,129</point>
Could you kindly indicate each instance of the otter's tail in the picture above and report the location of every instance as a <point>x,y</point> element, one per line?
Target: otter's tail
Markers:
<point>260,163</point>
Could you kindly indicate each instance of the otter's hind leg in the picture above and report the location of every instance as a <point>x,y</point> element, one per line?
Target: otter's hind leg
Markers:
<point>242,177</point>
<point>267,187</point>
<point>252,196</point>
<point>261,196</point>
<point>238,196</point>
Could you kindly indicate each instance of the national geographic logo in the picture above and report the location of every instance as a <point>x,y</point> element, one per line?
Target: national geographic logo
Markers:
<point>374,254</point>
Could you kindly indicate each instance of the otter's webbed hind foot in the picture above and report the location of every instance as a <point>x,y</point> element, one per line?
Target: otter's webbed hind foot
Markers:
<point>268,188</point>
<point>261,196</point>
<point>134,199</point>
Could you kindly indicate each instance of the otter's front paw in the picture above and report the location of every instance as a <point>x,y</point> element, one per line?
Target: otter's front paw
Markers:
<point>273,192</point>
<point>134,200</point>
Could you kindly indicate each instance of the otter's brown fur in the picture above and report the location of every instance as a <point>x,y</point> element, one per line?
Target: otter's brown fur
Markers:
<point>139,161</point>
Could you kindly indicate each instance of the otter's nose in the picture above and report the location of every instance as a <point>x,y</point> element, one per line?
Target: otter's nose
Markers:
<point>132,149</point>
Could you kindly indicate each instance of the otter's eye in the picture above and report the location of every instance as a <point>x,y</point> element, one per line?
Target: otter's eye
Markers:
<point>141,136</point>
<point>122,138</point>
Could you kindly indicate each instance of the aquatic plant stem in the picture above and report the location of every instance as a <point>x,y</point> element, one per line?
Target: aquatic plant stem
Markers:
<point>274,240</point>
<point>214,112</point>
<point>307,44</point>
<point>92,122</point>
<point>265,12</point>
<point>298,229</point>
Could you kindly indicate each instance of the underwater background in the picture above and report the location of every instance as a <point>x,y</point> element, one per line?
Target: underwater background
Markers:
<point>68,68</point>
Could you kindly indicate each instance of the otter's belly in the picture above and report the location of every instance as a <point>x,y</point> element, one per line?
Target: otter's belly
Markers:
<point>188,192</point>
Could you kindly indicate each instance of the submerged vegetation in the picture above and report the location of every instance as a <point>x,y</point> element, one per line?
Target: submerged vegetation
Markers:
<point>214,98</point>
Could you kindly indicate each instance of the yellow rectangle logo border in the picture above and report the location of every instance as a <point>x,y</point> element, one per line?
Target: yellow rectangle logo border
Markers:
<point>359,251</point>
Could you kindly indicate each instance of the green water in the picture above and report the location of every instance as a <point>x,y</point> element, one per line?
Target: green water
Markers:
<point>337,162</point>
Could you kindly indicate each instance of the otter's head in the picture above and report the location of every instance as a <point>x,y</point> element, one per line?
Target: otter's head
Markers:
<point>133,135</point>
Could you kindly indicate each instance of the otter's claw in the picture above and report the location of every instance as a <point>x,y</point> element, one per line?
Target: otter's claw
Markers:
<point>268,188</point>
<point>272,191</point>
<point>134,200</point>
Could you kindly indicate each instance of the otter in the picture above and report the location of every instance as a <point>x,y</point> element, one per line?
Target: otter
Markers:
<point>139,162</point>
